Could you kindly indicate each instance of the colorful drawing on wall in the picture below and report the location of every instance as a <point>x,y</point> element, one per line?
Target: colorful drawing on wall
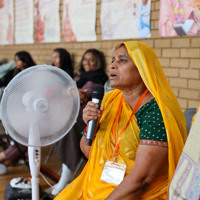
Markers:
<point>1,3</point>
<point>67,31</point>
<point>6,22</point>
<point>79,18</point>
<point>128,20</point>
<point>179,17</point>
<point>9,36</point>
<point>40,23</point>
<point>24,25</point>
<point>47,21</point>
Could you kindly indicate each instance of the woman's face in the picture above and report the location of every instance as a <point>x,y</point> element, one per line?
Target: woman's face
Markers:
<point>56,59</point>
<point>19,64</point>
<point>89,62</point>
<point>124,74</point>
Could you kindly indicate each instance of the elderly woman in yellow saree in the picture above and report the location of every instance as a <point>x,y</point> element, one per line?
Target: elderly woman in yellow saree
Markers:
<point>140,136</point>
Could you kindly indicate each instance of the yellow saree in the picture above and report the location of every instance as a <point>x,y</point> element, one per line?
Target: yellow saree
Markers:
<point>88,185</point>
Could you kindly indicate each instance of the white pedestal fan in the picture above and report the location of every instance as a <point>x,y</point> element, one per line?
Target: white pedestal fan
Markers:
<point>39,107</point>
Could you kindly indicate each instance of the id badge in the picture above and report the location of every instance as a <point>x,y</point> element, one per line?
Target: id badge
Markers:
<point>113,172</point>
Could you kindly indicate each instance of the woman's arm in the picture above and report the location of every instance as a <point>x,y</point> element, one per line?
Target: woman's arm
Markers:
<point>150,162</point>
<point>84,148</point>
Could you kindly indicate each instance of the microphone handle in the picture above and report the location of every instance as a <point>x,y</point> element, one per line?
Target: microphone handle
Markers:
<point>92,125</point>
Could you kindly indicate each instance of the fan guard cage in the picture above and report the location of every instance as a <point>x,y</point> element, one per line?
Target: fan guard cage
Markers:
<point>21,96</point>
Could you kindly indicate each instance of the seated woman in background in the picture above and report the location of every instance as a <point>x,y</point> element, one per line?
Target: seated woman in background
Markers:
<point>62,59</point>
<point>23,60</point>
<point>140,135</point>
<point>12,154</point>
<point>92,72</point>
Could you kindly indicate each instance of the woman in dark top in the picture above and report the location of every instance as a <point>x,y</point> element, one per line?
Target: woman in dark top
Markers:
<point>92,72</point>
<point>62,59</point>
<point>12,154</point>
<point>23,60</point>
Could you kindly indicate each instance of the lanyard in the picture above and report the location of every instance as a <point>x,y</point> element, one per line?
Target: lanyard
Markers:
<point>117,120</point>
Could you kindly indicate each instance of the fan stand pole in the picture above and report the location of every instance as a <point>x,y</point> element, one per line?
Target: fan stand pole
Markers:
<point>34,154</point>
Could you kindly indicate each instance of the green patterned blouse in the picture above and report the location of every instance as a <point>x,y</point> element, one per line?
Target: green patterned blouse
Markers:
<point>150,122</point>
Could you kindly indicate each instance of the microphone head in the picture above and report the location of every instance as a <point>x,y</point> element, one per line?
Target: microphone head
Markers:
<point>98,92</point>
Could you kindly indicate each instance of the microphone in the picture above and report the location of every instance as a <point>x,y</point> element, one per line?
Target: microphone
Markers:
<point>97,96</point>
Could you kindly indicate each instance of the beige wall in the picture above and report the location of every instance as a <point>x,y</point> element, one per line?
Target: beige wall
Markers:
<point>179,56</point>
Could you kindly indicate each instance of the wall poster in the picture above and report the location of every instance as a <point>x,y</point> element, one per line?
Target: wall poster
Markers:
<point>24,25</point>
<point>79,20</point>
<point>130,19</point>
<point>6,22</point>
<point>47,20</point>
<point>179,17</point>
